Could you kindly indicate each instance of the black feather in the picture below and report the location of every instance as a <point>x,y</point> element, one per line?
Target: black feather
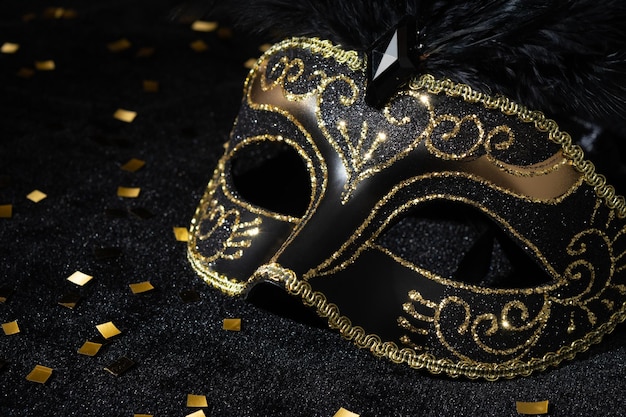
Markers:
<point>562,56</point>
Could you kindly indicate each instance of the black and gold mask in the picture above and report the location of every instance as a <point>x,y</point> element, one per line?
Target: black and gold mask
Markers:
<point>449,230</point>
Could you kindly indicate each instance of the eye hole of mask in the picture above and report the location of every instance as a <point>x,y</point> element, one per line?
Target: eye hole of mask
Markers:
<point>460,243</point>
<point>272,175</point>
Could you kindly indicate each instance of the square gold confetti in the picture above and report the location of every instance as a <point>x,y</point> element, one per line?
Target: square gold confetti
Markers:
<point>233,325</point>
<point>196,401</point>
<point>141,287</point>
<point>48,65</point>
<point>203,26</point>
<point>532,408</point>
<point>36,196</point>
<point>199,45</point>
<point>119,45</point>
<point>150,86</point>
<point>198,413</point>
<point>145,52</point>
<point>345,413</point>
<point>39,374</point>
<point>181,234</point>
<point>69,300</point>
<point>6,211</point>
<point>143,415</point>
<point>128,192</point>
<point>90,348</point>
<point>120,366</point>
<point>108,330</point>
<point>125,115</point>
<point>10,328</point>
<point>133,165</point>
<point>79,278</point>
<point>25,72</point>
<point>9,48</point>
<point>5,293</point>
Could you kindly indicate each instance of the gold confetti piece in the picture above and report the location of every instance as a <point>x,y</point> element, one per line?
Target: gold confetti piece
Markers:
<point>36,196</point>
<point>345,413</point>
<point>5,293</point>
<point>125,115</point>
<point>150,86</point>
<point>53,13</point>
<point>250,63</point>
<point>120,366</point>
<point>189,296</point>
<point>39,374</point>
<point>202,26</point>
<point>25,72</point>
<point>6,211</point>
<point>48,65</point>
<point>199,45</point>
<point>143,415</point>
<point>133,165</point>
<point>9,48</point>
<point>196,401</point>
<point>108,330</point>
<point>119,45</point>
<point>90,348</point>
<point>79,278</point>
<point>181,234</point>
<point>69,300</point>
<point>10,328</point>
<point>265,47</point>
<point>141,287</point>
<point>533,408</point>
<point>145,52</point>
<point>198,413</point>
<point>128,192</point>
<point>232,325</point>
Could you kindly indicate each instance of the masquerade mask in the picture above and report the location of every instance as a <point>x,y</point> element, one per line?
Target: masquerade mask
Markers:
<point>448,230</point>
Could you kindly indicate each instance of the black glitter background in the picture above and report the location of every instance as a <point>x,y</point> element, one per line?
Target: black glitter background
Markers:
<point>57,134</point>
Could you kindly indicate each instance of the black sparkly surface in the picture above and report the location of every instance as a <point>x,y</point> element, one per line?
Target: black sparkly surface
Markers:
<point>57,135</point>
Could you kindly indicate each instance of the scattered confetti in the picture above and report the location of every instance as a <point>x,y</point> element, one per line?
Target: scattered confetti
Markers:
<point>108,330</point>
<point>128,192</point>
<point>69,300</point>
<point>199,45</point>
<point>145,52</point>
<point>198,413</point>
<point>533,408</point>
<point>196,401</point>
<point>9,48</point>
<point>90,348</point>
<point>250,63</point>
<point>233,325</point>
<point>202,26</point>
<point>48,65</point>
<point>133,165</point>
<point>106,253</point>
<point>6,211</point>
<point>36,196</point>
<point>150,86</point>
<point>189,296</point>
<point>345,413</point>
<point>125,115</point>
<point>119,45</point>
<point>141,287</point>
<point>181,234</point>
<point>120,366</point>
<point>141,213</point>
<point>10,328</point>
<point>39,374</point>
<point>5,293</point>
<point>25,72</point>
<point>79,278</point>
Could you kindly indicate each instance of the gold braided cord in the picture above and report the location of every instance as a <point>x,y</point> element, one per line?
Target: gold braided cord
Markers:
<point>471,370</point>
<point>571,151</point>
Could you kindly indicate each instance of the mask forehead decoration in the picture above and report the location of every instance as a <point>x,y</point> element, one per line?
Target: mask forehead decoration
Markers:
<point>448,230</point>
